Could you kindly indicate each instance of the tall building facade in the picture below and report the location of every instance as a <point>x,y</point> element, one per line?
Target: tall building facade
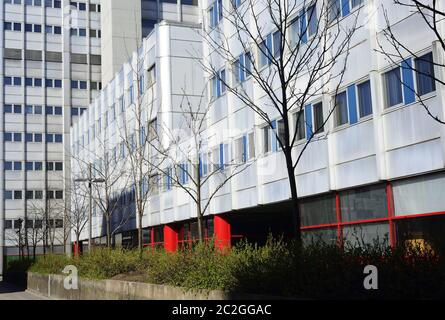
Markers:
<point>50,69</point>
<point>126,23</point>
<point>374,173</point>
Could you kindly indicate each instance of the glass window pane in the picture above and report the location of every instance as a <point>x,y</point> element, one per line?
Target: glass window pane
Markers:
<point>425,74</point>
<point>393,87</point>
<point>318,118</point>
<point>316,236</point>
<point>364,203</point>
<point>318,211</point>
<point>341,109</point>
<point>364,98</point>
<point>419,195</point>
<point>366,234</point>
<point>422,233</point>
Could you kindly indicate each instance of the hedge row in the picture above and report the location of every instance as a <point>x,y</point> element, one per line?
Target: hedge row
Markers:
<point>278,268</point>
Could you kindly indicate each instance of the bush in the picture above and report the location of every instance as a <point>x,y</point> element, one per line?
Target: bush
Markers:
<point>278,268</point>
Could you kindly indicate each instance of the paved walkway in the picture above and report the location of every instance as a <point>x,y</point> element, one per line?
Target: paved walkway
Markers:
<point>11,292</point>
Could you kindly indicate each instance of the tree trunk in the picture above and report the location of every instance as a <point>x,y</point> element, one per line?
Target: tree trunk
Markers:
<point>296,217</point>
<point>107,222</point>
<point>140,242</point>
<point>199,214</point>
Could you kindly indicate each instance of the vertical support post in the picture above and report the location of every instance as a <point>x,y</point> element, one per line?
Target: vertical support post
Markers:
<point>222,232</point>
<point>171,235</point>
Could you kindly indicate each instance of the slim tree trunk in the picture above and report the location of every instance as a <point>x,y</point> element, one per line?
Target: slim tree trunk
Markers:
<point>107,221</point>
<point>199,214</point>
<point>140,242</point>
<point>296,218</point>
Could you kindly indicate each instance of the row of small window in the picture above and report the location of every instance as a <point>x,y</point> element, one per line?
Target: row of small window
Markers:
<point>30,27</point>
<point>83,85</point>
<point>37,28</point>
<point>33,137</point>
<point>32,223</point>
<point>77,111</point>
<point>82,32</point>
<point>33,109</point>
<point>50,56</point>
<point>33,82</point>
<point>33,194</point>
<point>52,83</point>
<point>38,3</point>
<point>33,166</point>
<point>81,6</point>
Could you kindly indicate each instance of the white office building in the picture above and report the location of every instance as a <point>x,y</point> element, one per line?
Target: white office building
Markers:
<point>50,69</point>
<point>375,171</point>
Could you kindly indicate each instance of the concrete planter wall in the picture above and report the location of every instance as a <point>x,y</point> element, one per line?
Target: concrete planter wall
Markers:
<point>52,286</point>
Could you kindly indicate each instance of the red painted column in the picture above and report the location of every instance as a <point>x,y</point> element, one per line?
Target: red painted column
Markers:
<point>222,232</point>
<point>170,238</point>
<point>76,249</point>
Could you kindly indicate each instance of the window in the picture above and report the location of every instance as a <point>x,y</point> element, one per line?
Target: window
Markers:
<point>36,3</point>
<point>251,138</point>
<point>341,109</point>
<point>12,26</point>
<point>151,76</point>
<point>13,108</point>
<point>37,28</point>
<point>280,132</point>
<point>266,139</point>
<point>425,74</point>
<point>300,125</point>
<point>33,82</point>
<point>13,81</point>
<point>8,224</point>
<point>13,165</point>
<point>364,98</point>
<point>364,234</point>
<point>334,7</point>
<point>364,203</point>
<point>318,211</point>
<point>393,87</point>
<point>53,3</point>
<point>312,24</point>
<point>318,117</point>
<point>218,87</point>
<point>215,13</point>
<point>241,150</point>
<point>12,137</point>
<point>53,83</point>
<point>277,44</point>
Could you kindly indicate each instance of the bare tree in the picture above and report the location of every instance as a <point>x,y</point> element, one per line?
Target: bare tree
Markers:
<point>77,217</point>
<point>138,132</point>
<point>301,57</point>
<point>189,165</point>
<point>109,180</point>
<point>432,14</point>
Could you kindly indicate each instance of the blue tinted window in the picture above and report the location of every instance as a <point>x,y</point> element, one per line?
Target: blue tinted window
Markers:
<point>364,98</point>
<point>17,166</point>
<point>8,165</point>
<point>38,137</point>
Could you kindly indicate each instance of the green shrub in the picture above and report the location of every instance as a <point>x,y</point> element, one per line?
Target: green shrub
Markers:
<point>277,268</point>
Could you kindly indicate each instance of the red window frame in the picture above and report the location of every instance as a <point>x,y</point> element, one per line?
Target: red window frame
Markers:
<point>391,218</point>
